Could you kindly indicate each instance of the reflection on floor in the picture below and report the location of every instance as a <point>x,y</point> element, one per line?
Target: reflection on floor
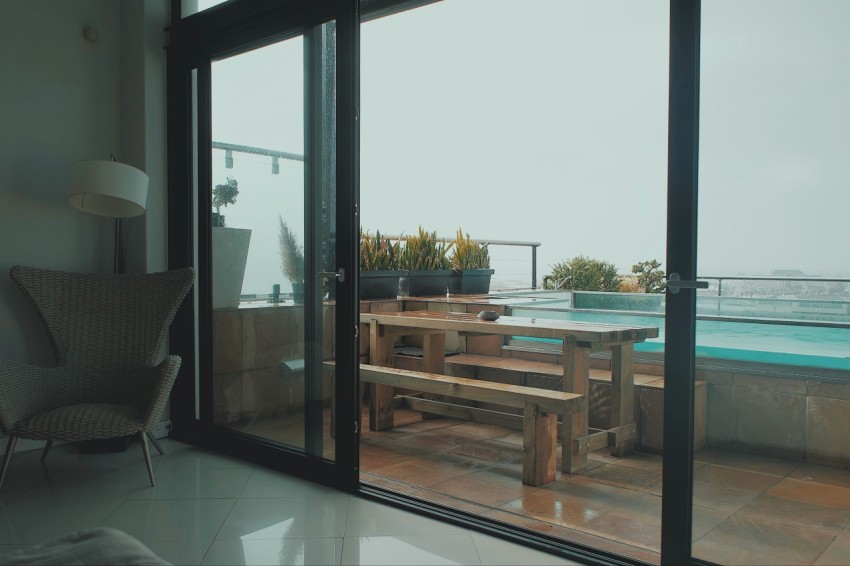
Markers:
<point>748,509</point>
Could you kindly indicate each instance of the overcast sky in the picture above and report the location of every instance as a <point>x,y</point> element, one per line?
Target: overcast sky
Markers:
<point>551,126</point>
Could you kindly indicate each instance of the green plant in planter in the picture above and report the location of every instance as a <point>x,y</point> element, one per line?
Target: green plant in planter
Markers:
<point>424,252</point>
<point>223,195</point>
<point>291,254</point>
<point>377,253</point>
<point>469,254</point>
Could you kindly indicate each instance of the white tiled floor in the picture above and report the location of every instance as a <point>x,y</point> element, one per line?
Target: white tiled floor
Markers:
<point>211,509</point>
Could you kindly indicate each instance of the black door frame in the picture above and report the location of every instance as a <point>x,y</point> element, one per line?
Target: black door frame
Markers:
<point>241,23</point>
<point>232,28</point>
<point>680,316</point>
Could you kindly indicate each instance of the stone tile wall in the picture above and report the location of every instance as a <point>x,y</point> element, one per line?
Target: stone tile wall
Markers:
<point>777,415</point>
<point>250,346</point>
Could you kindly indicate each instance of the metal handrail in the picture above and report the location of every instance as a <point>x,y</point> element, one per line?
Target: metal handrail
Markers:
<point>721,278</point>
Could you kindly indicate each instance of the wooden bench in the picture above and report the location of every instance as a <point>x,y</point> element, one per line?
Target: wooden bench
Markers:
<point>649,393</point>
<point>541,408</point>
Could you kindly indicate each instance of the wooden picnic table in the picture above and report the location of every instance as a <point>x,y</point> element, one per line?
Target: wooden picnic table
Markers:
<point>579,339</point>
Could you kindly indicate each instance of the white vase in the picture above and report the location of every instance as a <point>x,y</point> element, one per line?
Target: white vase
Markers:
<point>229,255</point>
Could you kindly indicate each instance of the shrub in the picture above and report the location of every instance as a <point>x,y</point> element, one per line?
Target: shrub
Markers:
<point>649,276</point>
<point>224,195</point>
<point>583,274</point>
<point>630,285</point>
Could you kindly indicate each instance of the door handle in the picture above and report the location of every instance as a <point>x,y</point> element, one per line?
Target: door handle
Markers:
<point>340,275</point>
<point>675,283</point>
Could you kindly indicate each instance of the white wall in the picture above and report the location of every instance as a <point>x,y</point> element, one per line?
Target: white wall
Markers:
<point>64,99</point>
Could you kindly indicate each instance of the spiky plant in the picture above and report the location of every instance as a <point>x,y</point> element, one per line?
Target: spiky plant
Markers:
<point>291,253</point>
<point>377,253</point>
<point>424,252</point>
<point>469,254</point>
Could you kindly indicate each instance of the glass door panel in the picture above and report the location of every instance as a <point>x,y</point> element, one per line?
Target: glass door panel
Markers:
<point>771,483</point>
<point>519,133</point>
<point>273,214</point>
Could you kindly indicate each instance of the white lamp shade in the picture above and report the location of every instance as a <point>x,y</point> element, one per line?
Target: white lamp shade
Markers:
<point>108,188</point>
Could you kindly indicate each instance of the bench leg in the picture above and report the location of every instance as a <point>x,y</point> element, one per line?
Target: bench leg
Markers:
<point>540,446</point>
<point>380,407</point>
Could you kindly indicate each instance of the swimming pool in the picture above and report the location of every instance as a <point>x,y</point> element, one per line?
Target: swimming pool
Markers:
<point>765,339</point>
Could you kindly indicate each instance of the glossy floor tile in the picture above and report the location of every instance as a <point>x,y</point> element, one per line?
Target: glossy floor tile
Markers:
<point>207,508</point>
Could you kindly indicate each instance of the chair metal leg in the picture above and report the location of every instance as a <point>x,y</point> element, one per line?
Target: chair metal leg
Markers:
<point>46,450</point>
<point>10,448</point>
<point>156,444</point>
<point>144,440</point>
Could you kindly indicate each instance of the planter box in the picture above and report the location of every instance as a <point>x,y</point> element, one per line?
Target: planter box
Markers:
<point>230,254</point>
<point>470,281</point>
<point>427,283</point>
<point>380,284</point>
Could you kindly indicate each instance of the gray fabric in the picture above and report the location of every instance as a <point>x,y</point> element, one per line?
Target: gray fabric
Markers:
<point>97,546</point>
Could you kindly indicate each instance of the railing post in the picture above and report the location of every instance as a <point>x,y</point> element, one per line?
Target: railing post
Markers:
<point>534,267</point>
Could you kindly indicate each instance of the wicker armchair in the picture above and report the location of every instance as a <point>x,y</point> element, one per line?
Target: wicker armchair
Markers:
<point>106,332</point>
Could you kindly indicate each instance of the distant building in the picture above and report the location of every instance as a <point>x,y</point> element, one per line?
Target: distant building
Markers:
<point>787,273</point>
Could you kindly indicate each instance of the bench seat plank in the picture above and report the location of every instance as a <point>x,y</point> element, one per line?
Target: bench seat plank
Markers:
<point>549,401</point>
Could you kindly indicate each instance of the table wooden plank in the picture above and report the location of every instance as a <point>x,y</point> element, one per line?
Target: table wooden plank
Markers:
<point>590,332</point>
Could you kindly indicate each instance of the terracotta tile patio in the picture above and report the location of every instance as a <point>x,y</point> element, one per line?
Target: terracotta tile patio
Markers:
<point>748,509</point>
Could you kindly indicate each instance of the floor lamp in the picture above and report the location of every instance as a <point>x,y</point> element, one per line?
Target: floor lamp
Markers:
<point>109,188</point>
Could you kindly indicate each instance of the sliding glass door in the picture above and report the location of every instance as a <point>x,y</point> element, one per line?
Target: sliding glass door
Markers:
<point>758,332</point>
<point>272,168</point>
<point>263,130</point>
<point>773,337</point>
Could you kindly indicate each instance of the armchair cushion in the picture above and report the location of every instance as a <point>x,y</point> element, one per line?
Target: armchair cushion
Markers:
<point>84,421</point>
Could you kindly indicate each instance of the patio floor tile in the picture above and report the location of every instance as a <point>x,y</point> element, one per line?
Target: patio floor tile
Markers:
<point>486,487</point>
<point>770,540</point>
<point>570,503</point>
<point>747,508</point>
<point>838,552</point>
<point>795,512</point>
<point>812,493</point>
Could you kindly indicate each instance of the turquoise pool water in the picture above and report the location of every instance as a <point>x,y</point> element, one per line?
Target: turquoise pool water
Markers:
<point>785,344</point>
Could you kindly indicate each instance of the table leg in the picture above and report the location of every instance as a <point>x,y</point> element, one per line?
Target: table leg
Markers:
<point>380,396</point>
<point>622,393</point>
<point>433,359</point>
<point>576,380</point>
<point>434,352</point>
